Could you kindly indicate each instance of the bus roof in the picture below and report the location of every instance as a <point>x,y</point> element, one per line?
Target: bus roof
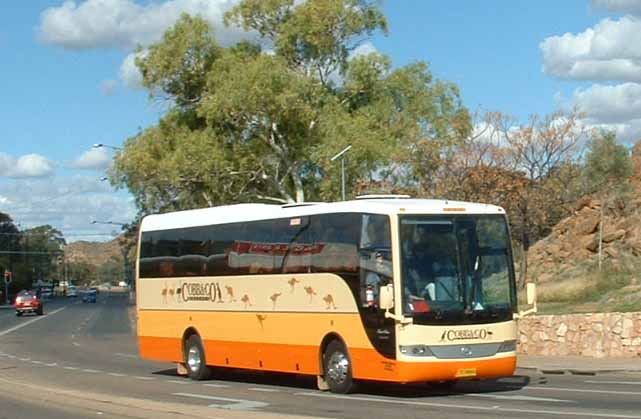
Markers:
<point>253,212</point>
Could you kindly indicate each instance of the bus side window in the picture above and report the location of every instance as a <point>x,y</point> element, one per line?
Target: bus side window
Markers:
<point>293,245</point>
<point>375,257</point>
<point>336,238</point>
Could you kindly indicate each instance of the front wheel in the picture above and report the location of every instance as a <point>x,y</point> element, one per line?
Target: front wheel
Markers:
<point>18,313</point>
<point>337,368</point>
<point>195,359</point>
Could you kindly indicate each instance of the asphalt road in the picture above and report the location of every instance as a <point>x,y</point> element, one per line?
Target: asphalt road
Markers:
<point>80,361</point>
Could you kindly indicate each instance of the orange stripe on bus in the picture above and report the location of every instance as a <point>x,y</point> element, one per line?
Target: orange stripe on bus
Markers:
<point>305,359</point>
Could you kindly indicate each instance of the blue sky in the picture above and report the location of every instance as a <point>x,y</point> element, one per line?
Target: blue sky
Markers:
<point>66,84</point>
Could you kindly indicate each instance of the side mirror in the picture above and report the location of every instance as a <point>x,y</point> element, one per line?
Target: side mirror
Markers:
<point>531,292</point>
<point>386,297</point>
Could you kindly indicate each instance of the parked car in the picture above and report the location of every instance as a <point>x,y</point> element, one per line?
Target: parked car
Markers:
<point>72,291</point>
<point>28,302</point>
<point>89,295</point>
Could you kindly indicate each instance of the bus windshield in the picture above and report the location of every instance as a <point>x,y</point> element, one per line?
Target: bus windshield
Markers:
<point>457,269</point>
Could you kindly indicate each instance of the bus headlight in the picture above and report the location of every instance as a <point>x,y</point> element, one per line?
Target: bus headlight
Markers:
<point>415,350</point>
<point>508,346</point>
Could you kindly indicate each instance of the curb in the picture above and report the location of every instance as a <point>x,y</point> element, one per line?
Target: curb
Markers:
<point>578,371</point>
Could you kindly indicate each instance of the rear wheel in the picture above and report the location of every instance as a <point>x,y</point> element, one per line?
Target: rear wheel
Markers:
<point>195,359</point>
<point>40,311</point>
<point>337,368</point>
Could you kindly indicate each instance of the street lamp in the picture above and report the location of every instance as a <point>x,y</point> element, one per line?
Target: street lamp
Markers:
<point>108,222</point>
<point>100,145</point>
<point>342,156</point>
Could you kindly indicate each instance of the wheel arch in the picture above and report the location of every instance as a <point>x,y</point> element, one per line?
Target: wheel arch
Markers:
<point>330,337</point>
<point>190,331</point>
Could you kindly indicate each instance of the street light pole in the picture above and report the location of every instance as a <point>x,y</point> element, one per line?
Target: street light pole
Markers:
<point>101,145</point>
<point>342,157</point>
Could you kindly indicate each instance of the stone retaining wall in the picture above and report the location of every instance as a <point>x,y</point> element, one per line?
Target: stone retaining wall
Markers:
<point>596,335</point>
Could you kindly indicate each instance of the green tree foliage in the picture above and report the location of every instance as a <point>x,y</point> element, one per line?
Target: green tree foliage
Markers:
<point>608,167</point>
<point>608,163</point>
<point>246,124</point>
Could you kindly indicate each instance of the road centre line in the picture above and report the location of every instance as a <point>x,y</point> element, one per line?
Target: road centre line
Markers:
<point>636,383</point>
<point>231,404</point>
<point>143,378</point>
<point>266,390</point>
<point>517,397</point>
<point>71,368</point>
<point>585,390</point>
<point>91,371</point>
<point>126,355</point>
<point>470,407</point>
<point>116,374</point>
<point>217,385</point>
<point>177,382</point>
<point>28,322</point>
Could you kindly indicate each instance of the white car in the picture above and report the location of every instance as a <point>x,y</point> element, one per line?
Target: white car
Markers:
<point>72,291</point>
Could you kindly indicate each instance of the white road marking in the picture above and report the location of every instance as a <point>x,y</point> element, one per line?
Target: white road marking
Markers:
<point>126,355</point>
<point>71,368</point>
<point>25,359</point>
<point>115,374</point>
<point>469,407</point>
<point>518,397</point>
<point>76,344</point>
<point>36,362</point>
<point>144,378</point>
<point>177,382</point>
<point>584,390</point>
<point>12,356</point>
<point>28,322</point>
<point>53,364</point>
<point>217,385</point>
<point>266,390</point>
<point>634,383</point>
<point>232,404</point>
<point>91,371</point>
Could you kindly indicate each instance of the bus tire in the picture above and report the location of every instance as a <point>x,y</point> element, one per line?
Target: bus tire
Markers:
<point>195,359</point>
<point>337,368</point>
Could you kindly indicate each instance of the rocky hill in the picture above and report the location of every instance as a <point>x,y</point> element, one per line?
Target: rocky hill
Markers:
<point>564,264</point>
<point>94,253</point>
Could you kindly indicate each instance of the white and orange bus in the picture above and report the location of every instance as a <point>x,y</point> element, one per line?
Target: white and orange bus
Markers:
<point>382,288</point>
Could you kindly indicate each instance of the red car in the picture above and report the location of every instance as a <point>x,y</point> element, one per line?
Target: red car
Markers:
<point>28,302</point>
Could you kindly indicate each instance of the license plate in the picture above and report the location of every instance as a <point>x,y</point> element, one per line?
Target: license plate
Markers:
<point>466,372</point>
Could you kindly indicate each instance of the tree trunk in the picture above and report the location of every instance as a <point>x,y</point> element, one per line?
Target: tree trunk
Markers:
<point>523,268</point>
<point>298,186</point>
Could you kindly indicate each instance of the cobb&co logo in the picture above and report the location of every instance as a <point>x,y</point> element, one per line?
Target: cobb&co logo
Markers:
<point>196,291</point>
<point>465,334</point>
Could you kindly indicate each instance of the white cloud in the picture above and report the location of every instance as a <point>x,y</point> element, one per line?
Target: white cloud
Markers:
<point>609,51</point>
<point>625,6</point>
<point>126,24</point>
<point>130,74</point>
<point>365,48</point>
<point>29,165</point>
<point>68,204</point>
<point>108,87</point>
<point>94,159</point>
<point>610,104</point>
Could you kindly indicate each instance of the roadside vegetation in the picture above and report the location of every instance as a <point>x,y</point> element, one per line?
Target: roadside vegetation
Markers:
<point>259,122</point>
